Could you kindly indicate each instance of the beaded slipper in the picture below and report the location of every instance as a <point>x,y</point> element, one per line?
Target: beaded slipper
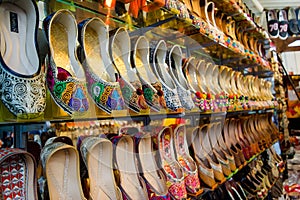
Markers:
<point>157,58</point>
<point>186,162</point>
<point>151,86</point>
<point>130,84</point>
<point>98,155</point>
<point>61,167</point>
<point>17,175</point>
<point>175,69</point>
<point>65,75</point>
<point>100,73</point>
<point>22,83</point>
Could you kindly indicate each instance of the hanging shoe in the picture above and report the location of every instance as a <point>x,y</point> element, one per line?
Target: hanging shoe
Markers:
<point>131,184</point>
<point>186,162</point>
<point>17,174</point>
<point>206,172</point>
<point>100,73</point>
<point>149,170</point>
<point>283,24</point>
<point>61,167</point>
<point>158,55</point>
<point>171,168</point>
<point>174,62</point>
<point>131,86</point>
<point>293,24</point>
<point>97,155</point>
<point>22,83</point>
<point>272,20</point>
<point>152,88</point>
<point>65,75</point>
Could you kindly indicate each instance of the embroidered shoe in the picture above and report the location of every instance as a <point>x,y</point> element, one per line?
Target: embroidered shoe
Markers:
<point>22,83</point>
<point>153,176</point>
<point>61,166</point>
<point>98,155</point>
<point>206,171</point>
<point>17,175</point>
<point>131,184</point>
<point>65,75</point>
<point>158,55</point>
<point>99,71</point>
<point>130,84</point>
<point>171,168</point>
<point>188,165</point>
<point>175,69</point>
<point>193,78</point>
<point>151,86</point>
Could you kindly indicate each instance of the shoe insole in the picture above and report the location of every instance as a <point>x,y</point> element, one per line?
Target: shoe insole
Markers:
<point>93,53</point>
<point>166,78</point>
<point>125,159</point>
<point>63,56</point>
<point>144,70</point>
<point>149,166</point>
<point>62,175</point>
<point>202,71</point>
<point>100,171</point>
<point>14,40</point>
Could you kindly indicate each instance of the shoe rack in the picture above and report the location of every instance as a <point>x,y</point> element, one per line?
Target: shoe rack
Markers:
<point>197,37</point>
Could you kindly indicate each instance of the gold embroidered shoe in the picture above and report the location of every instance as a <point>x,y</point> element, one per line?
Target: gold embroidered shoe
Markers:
<point>22,83</point>
<point>97,155</point>
<point>99,70</point>
<point>130,84</point>
<point>65,76</point>
<point>61,167</point>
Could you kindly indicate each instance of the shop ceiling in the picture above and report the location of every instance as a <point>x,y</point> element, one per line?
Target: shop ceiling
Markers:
<point>257,6</point>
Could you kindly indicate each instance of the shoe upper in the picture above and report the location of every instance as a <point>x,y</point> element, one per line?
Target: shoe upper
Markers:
<point>22,84</point>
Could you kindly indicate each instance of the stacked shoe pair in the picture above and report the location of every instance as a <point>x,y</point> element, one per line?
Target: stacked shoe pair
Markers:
<point>220,151</point>
<point>283,23</point>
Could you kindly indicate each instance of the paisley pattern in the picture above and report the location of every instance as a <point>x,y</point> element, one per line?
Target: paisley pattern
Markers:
<point>133,98</point>
<point>151,97</point>
<point>14,176</point>
<point>67,91</point>
<point>23,95</point>
<point>106,95</point>
<point>172,99</point>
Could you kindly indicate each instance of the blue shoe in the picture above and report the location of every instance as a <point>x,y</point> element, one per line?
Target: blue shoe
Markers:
<point>99,71</point>
<point>65,76</point>
<point>22,84</point>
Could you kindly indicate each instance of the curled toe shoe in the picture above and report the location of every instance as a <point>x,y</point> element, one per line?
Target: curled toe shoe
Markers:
<point>65,75</point>
<point>100,73</point>
<point>22,83</point>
